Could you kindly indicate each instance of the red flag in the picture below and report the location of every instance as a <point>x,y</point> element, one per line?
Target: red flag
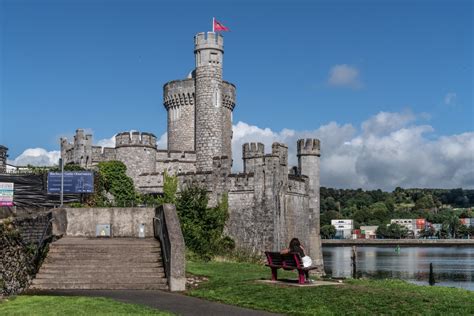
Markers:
<point>218,26</point>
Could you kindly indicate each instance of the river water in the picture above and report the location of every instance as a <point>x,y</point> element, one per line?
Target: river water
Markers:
<point>452,266</point>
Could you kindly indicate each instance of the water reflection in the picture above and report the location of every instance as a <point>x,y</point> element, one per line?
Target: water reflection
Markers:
<point>453,266</point>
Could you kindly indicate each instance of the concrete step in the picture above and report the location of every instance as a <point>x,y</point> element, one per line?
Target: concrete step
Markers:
<point>103,280</point>
<point>94,263</point>
<point>91,269</point>
<point>92,286</point>
<point>92,275</point>
<point>102,256</point>
<point>97,261</point>
<point>105,267</point>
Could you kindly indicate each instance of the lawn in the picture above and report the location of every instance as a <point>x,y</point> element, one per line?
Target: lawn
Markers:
<point>235,283</point>
<point>62,305</point>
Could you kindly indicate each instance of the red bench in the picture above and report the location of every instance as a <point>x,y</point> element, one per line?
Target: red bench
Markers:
<point>289,261</point>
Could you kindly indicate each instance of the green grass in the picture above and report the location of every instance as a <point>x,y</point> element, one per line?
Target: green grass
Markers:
<point>235,283</point>
<point>71,305</point>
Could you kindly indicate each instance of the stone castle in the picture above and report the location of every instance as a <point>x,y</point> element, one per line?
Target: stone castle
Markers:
<point>268,205</point>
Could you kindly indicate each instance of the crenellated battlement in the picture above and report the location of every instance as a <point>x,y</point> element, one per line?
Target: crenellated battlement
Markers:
<point>308,147</point>
<point>228,95</point>
<point>208,40</point>
<point>178,93</point>
<point>127,139</point>
<point>253,150</point>
<point>280,150</point>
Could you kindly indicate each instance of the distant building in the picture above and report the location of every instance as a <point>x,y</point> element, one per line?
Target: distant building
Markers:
<point>414,226</point>
<point>468,222</point>
<point>344,228</point>
<point>407,223</point>
<point>369,231</point>
<point>3,158</point>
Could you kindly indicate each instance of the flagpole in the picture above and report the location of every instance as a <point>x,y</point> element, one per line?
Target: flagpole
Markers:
<point>213,23</point>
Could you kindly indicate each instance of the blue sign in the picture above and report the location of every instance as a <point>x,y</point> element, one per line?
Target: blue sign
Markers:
<point>74,182</point>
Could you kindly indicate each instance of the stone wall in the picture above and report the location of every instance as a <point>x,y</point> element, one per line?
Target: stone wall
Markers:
<point>16,262</point>
<point>124,222</point>
<point>19,237</point>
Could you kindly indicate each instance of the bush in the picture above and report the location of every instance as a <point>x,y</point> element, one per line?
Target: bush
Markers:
<point>202,226</point>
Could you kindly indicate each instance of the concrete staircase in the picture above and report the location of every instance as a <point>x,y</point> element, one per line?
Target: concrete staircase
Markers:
<point>96,263</point>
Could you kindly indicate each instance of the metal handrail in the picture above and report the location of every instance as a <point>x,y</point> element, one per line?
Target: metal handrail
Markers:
<point>42,242</point>
<point>161,233</point>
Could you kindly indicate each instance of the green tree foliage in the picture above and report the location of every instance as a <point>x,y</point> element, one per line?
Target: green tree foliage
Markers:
<point>326,217</point>
<point>392,231</point>
<point>425,202</point>
<point>114,180</point>
<point>378,208</point>
<point>328,231</point>
<point>202,226</point>
<point>170,187</point>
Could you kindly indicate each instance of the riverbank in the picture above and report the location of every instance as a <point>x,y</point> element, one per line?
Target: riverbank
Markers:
<point>238,284</point>
<point>401,242</point>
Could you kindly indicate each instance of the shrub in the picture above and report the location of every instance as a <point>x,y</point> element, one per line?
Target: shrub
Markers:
<point>202,226</point>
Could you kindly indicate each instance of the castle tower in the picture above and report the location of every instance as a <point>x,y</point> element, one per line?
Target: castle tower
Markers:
<point>308,152</point>
<point>178,99</point>
<point>208,51</point>
<point>3,159</point>
<point>137,151</point>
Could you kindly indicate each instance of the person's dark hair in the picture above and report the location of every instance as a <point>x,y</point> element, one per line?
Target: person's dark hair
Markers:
<point>294,245</point>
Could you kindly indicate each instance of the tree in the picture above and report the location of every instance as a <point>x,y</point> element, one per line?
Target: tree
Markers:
<point>327,216</point>
<point>170,187</point>
<point>379,212</point>
<point>392,231</point>
<point>328,231</point>
<point>425,202</point>
<point>114,180</point>
<point>202,226</point>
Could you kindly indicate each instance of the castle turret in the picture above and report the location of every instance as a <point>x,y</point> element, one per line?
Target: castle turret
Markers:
<point>253,156</point>
<point>178,99</point>
<point>308,152</point>
<point>208,50</point>
<point>137,151</point>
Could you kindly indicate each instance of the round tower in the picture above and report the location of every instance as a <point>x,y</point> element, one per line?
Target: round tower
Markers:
<point>208,51</point>
<point>178,99</point>
<point>137,151</point>
<point>308,152</point>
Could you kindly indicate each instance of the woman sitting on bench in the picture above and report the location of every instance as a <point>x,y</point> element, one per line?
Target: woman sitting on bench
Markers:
<point>295,246</point>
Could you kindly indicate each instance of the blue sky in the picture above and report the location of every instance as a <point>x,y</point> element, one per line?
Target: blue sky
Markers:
<point>297,65</point>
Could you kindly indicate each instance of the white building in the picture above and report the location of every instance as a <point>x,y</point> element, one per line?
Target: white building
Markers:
<point>344,227</point>
<point>369,231</point>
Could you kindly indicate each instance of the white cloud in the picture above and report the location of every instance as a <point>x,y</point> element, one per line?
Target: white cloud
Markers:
<point>344,76</point>
<point>162,142</point>
<point>389,150</point>
<point>386,151</point>
<point>106,142</point>
<point>37,157</point>
<point>450,98</point>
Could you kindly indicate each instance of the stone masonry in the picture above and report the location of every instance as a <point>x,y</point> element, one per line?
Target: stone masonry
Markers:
<point>3,159</point>
<point>268,205</point>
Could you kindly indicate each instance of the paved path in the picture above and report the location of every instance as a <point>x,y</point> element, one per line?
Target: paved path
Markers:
<point>165,301</point>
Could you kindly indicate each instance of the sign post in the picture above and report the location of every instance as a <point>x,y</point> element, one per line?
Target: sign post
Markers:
<point>70,182</point>
<point>61,165</point>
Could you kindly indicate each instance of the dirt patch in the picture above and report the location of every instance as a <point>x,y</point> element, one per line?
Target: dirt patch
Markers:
<point>193,281</point>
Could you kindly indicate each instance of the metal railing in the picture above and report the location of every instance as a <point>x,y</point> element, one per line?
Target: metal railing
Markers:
<point>161,233</point>
<point>45,237</point>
